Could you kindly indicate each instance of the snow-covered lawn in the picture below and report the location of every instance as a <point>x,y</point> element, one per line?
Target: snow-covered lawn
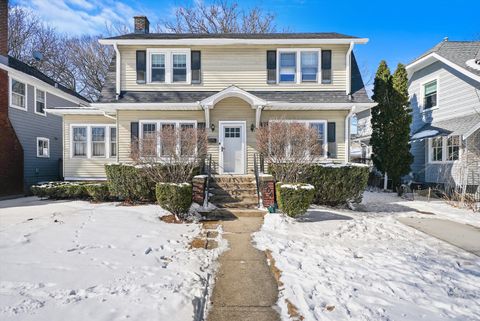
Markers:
<point>346,265</point>
<point>62,260</point>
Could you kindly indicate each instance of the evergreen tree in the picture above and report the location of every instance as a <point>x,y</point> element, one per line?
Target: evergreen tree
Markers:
<point>391,123</point>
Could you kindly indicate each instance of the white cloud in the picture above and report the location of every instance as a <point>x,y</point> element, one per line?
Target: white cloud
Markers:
<point>76,17</point>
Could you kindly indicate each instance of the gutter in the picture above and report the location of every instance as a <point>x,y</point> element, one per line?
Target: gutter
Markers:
<point>347,134</point>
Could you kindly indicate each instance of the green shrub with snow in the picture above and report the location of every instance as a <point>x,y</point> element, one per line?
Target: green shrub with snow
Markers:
<point>294,199</point>
<point>129,183</point>
<point>98,192</point>
<point>61,190</point>
<point>337,184</point>
<point>175,197</point>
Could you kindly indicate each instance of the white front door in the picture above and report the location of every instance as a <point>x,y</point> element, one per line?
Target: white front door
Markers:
<point>232,147</point>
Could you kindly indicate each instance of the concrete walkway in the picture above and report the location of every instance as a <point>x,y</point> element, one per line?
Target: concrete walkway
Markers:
<point>466,237</point>
<point>245,289</point>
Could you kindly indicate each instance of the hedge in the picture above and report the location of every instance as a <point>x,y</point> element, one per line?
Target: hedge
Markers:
<point>61,190</point>
<point>175,198</point>
<point>294,199</point>
<point>98,192</point>
<point>129,183</point>
<point>335,184</point>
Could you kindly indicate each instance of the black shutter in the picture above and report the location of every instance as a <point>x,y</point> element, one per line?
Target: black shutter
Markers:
<point>271,66</point>
<point>331,133</point>
<point>141,66</point>
<point>196,66</point>
<point>133,137</point>
<point>326,66</point>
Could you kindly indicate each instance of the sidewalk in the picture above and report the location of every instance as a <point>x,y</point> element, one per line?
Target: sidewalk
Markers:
<point>466,237</point>
<point>245,289</point>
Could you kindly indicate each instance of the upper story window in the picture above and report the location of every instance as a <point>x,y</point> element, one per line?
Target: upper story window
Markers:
<point>288,66</point>
<point>40,100</point>
<point>18,94</point>
<point>158,68</point>
<point>430,94</point>
<point>326,66</point>
<point>169,66</point>
<point>309,62</point>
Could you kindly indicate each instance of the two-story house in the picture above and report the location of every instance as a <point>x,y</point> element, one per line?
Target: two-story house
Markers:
<point>444,89</point>
<point>31,140</point>
<point>228,84</point>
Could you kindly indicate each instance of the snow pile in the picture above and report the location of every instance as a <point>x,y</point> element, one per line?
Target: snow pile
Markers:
<point>79,261</point>
<point>344,265</point>
<point>297,186</point>
<point>425,133</point>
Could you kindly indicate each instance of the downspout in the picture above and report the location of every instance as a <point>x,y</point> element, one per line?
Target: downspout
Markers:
<point>118,135</point>
<point>348,64</point>
<point>347,134</point>
<point>117,71</point>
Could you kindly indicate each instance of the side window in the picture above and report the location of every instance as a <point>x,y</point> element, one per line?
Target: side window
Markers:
<point>271,66</point>
<point>40,100</point>
<point>43,147</point>
<point>430,95</point>
<point>437,149</point>
<point>141,66</point>
<point>453,148</point>
<point>18,94</point>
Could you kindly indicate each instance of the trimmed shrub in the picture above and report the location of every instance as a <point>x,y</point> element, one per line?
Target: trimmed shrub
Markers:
<point>61,190</point>
<point>337,184</point>
<point>294,199</point>
<point>175,198</point>
<point>98,192</point>
<point>129,183</point>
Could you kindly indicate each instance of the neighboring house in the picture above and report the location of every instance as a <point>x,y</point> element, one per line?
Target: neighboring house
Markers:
<point>361,148</point>
<point>226,83</point>
<point>30,93</point>
<point>444,89</point>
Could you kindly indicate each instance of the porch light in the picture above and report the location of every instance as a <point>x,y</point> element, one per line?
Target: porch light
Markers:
<point>212,127</point>
<point>252,127</point>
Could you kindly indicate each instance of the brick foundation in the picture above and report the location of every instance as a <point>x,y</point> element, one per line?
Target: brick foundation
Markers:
<point>267,185</point>
<point>199,184</point>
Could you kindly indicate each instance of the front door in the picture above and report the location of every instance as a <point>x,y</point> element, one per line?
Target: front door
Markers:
<point>232,147</point>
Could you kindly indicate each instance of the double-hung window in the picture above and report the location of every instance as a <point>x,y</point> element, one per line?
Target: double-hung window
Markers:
<point>149,139</point>
<point>288,66</point>
<point>319,128</point>
<point>43,147</point>
<point>18,94</point>
<point>326,66</point>
<point>453,148</point>
<point>187,136</point>
<point>179,66</point>
<point>113,141</point>
<point>40,97</point>
<point>309,64</point>
<point>79,141</point>
<point>158,67</point>
<point>444,149</point>
<point>430,95</point>
<point>98,141</point>
<point>437,149</point>
<point>168,140</point>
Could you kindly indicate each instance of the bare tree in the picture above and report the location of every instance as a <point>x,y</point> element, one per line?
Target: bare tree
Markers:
<point>289,147</point>
<point>221,16</point>
<point>171,155</point>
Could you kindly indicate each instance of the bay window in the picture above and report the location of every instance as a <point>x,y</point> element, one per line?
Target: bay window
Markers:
<point>168,140</point>
<point>288,66</point>
<point>309,64</point>
<point>187,148</point>
<point>18,96</point>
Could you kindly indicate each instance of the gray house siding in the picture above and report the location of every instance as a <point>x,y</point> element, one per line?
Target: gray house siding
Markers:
<point>457,97</point>
<point>28,125</point>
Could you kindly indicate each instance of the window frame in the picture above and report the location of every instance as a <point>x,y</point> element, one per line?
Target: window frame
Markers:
<point>298,65</point>
<point>422,93</point>
<point>10,96</point>
<point>35,89</point>
<point>105,142</point>
<point>150,67</point>
<point>307,123</point>
<point>44,139</point>
<point>445,152</point>
<point>169,52</point>
<point>158,123</point>
<point>88,126</point>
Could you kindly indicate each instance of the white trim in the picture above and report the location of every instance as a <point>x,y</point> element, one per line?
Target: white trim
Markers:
<point>10,93</point>
<point>33,81</point>
<point>168,53</point>
<point>347,133</point>
<point>48,148</point>
<point>444,150</point>
<point>74,111</point>
<point>118,73</point>
<point>75,178</point>
<point>348,64</point>
<point>232,91</point>
<point>221,137</point>
<point>429,59</point>
<point>230,41</point>
<point>89,140</point>
<point>471,131</point>
<point>298,65</point>
<point>35,102</point>
<point>425,81</point>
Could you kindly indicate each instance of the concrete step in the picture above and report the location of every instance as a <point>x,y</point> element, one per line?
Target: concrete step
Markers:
<point>233,213</point>
<point>233,178</point>
<point>233,199</point>
<point>234,192</point>
<point>237,205</point>
<point>233,186</point>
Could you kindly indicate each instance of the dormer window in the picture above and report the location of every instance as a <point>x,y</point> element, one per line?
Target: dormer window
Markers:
<point>430,95</point>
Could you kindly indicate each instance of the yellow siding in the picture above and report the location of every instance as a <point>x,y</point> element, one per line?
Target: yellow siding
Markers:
<point>244,67</point>
<point>83,167</point>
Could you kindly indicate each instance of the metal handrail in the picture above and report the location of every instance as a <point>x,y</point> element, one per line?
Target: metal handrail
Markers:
<point>257,179</point>
<point>209,175</point>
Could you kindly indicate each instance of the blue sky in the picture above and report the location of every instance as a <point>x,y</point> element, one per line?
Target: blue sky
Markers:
<point>397,32</point>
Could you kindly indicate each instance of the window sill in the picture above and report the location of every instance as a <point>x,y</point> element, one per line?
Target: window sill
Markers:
<point>424,111</point>
<point>38,156</point>
<point>19,108</point>
<point>40,114</point>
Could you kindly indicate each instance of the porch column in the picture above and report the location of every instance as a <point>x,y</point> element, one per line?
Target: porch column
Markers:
<point>206,108</point>
<point>258,115</point>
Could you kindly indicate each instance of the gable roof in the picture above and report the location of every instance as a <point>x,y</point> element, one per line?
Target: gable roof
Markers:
<point>463,125</point>
<point>359,94</point>
<point>460,54</point>
<point>175,36</point>
<point>34,72</point>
